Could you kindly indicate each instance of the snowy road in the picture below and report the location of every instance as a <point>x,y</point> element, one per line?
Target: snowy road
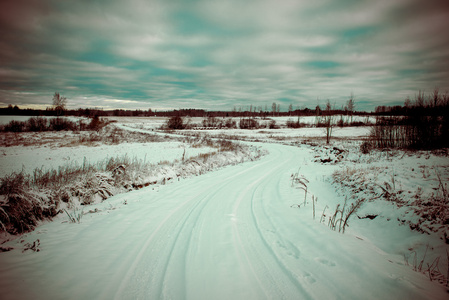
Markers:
<point>230,234</point>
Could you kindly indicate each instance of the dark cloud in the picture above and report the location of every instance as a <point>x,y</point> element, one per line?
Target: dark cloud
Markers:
<point>209,54</point>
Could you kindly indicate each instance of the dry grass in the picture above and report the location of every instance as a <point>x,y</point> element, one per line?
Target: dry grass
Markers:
<point>430,269</point>
<point>339,219</point>
<point>109,135</point>
<point>26,199</point>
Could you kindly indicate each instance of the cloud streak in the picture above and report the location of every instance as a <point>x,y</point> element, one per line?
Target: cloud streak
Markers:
<point>219,54</point>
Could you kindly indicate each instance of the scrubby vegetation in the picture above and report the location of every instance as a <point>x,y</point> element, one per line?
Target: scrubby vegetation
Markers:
<point>26,199</point>
<point>37,124</point>
<point>381,183</point>
<point>423,124</point>
<point>339,219</point>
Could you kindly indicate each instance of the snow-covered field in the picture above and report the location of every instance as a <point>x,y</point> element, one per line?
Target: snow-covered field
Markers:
<point>255,230</point>
<point>18,158</point>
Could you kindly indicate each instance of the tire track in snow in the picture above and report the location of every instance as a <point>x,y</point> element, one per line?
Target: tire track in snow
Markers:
<point>252,192</point>
<point>167,221</point>
<point>177,229</point>
<point>148,241</point>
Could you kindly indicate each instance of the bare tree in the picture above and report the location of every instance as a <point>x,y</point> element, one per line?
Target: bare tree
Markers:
<point>419,99</point>
<point>407,103</point>
<point>350,105</point>
<point>435,97</point>
<point>273,108</point>
<point>328,121</point>
<point>59,103</point>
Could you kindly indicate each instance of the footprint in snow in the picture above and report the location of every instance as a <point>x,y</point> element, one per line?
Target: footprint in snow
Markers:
<point>309,278</point>
<point>290,248</point>
<point>326,262</point>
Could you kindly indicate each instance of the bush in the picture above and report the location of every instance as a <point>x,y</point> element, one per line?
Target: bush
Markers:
<point>342,123</point>
<point>229,123</point>
<point>37,124</point>
<point>212,122</point>
<point>365,147</point>
<point>14,126</point>
<point>59,124</point>
<point>357,124</point>
<point>294,124</point>
<point>96,124</point>
<point>175,122</point>
<point>249,124</point>
<point>272,125</point>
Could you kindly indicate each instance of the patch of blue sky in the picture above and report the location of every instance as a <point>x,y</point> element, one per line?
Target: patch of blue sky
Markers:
<point>190,23</point>
<point>99,53</point>
<point>322,64</point>
<point>358,32</point>
<point>410,72</point>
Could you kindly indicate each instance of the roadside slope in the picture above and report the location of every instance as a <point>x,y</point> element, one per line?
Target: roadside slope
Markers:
<point>230,234</point>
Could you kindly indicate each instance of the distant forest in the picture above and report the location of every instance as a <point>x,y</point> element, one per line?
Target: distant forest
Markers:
<point>432,104</point>
<point>91,112</point>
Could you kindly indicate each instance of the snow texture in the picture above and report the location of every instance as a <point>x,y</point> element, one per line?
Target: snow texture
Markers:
<point>239,233</point>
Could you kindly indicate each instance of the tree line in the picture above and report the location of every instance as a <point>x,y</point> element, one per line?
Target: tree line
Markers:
<point>422,123</point>
<point>90,112</point>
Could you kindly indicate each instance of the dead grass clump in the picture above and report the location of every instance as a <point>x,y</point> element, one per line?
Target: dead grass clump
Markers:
<point>301,182</point>
<point>226,145</point>
<point>339,219</point>
<point>205,156</point>
<point>13,183</point>
<point>431,269</point>
<point>22,211</point>
<point>433,209</point>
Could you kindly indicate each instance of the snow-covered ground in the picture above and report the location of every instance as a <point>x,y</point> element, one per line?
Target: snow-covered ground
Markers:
<point>157,122</point>
<point>18,158</point>
<point>247,231</point>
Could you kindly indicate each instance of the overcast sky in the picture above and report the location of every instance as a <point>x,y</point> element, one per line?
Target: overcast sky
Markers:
<point>215,55</point>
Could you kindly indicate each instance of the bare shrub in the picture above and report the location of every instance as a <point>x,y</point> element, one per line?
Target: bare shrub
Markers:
<point>212,122</point>
<point>14,126</point>
<point>273,125</point>
<point>248,123</point>
<point>229,123</point>
<point>175,122</point>
<point>58,124</point>
<point>421,125</point>
<point>293,124</point>
<point>96,124</point>
<point>37,124</point>
<point>366,147</point>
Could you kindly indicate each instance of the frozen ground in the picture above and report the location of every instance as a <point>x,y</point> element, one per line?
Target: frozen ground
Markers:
<point>18,158</point>
<point>244,232</point>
